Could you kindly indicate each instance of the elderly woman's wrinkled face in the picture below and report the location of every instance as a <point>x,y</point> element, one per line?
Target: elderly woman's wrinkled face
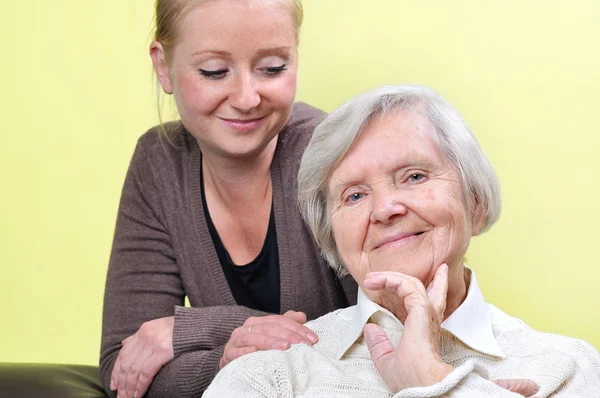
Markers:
<point>397,203</point>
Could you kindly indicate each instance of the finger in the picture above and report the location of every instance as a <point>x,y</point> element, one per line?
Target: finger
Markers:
<point>408,288</point>
<point>261,342</point>
<point>282,333</point>
<point>379,346</point>
<point>129,353</point>
<point>116,371</point>
<point>284,322</point>
<point>120,369</point>
<point>394,281</point>
<point>297,316</point>
<point>422,321</point>
<point>234,354</point>
<point>135,369</point>
<point>150,369</point>
<point>438,290</point>
<point>114,376</point>
<point>525,387</point>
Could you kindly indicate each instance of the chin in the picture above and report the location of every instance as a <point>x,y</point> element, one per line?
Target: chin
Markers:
<point>407,265</point>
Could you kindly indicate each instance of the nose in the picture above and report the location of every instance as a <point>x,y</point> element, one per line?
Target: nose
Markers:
<point>244,96</point>
<point>386,206</point>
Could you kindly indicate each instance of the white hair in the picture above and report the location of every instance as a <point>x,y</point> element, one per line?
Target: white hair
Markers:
<point>333,138</point>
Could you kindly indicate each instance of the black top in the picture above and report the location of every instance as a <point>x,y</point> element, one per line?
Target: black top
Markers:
<point>256,284</point>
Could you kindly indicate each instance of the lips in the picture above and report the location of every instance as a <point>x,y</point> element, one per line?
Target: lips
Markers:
<point>398,238</point>
<point>242,124</point>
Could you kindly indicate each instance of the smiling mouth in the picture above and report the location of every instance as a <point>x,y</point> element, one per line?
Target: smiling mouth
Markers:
<point>241,120</point>
<point>400,238</point>
<point>242,124</point>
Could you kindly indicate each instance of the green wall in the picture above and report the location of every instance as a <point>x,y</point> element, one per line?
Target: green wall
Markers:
<point>78,91</point>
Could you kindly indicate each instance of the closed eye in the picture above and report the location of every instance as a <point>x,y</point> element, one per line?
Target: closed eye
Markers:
<point>274,70</point>
<point>214,74</point>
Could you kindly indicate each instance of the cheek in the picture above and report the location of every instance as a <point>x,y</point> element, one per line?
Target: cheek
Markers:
<point>441,207</point>
<point>283,91</point>
<point>451,226</point>
<point>349,230</point>
<point>195,97</point>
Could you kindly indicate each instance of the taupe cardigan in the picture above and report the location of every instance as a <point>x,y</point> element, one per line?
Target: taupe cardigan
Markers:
<point>163,252</point>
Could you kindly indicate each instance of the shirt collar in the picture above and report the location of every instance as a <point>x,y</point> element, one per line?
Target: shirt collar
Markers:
<point>471,323</point>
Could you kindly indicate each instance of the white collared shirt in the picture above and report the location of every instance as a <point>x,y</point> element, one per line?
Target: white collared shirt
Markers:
<point>480,341</point>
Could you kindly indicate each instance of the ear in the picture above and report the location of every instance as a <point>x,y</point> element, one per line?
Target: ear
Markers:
<point>160,66</point>
<point>478,216</point>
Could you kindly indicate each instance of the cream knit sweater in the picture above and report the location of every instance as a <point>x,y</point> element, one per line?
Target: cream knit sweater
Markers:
<point>339,365</point>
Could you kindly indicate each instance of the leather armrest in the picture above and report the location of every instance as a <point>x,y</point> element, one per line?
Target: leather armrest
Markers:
<point>49,380</point>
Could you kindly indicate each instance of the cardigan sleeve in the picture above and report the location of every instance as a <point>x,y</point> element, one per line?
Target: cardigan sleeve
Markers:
<point>580,377</point>
<point>464,381</point>
<point>143,283</point>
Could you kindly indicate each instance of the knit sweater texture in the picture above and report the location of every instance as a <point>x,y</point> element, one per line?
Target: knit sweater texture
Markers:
<point>162,252</point>
<point>562,366</point>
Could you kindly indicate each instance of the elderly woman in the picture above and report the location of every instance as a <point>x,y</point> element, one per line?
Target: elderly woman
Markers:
<point>393,186</point>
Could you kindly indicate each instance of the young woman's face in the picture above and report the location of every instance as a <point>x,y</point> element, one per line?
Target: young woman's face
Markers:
<point>233,74</point>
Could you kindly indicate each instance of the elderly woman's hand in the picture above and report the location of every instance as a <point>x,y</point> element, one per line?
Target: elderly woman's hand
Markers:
<point>142,356</point>
<point>417,361</point>
<point>267,332</point>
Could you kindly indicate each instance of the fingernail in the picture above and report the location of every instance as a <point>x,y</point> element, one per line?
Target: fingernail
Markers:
<point>112,385</point>
<point>282,344</point>
<point>136,394</point>
<point>312,337</point>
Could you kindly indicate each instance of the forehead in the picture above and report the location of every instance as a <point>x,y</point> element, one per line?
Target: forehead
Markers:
<point>241,23</point>
<point>390,141</point>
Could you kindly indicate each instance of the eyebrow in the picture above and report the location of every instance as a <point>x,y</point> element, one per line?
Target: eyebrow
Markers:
<point>283,50</point>
<point>213,52</point>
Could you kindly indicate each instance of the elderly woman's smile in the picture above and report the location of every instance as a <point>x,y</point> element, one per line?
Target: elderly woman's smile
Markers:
<point>397,203</point>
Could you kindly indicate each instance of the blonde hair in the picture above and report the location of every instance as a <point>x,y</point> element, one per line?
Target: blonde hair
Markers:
<point>169,15</point>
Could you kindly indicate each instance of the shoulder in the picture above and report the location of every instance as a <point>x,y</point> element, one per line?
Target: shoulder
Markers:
<point>163,151</point>
<point>305,115</point>
<point>519,336</point>
<point>328,327</point>
<point>331,323</point>
<point>271,373</point>
<point>169,139</point>
<point>331,328</point>
<point>296,134</point>
<point>575,356</point>
<point>502,322</point>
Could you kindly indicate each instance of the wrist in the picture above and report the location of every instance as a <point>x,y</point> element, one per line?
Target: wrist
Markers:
<point>425,375</point>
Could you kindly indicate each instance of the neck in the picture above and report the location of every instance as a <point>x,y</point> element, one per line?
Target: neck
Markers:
<point>239,180</point>
<point>457,289</point>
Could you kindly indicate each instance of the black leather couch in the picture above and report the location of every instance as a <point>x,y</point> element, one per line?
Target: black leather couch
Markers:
<point>47,380</point>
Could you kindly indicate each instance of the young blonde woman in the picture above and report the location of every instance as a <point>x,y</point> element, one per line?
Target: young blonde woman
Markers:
<point>210,212</point>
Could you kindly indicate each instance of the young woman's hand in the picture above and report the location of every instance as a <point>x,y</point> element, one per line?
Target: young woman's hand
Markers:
<point>142,356</point>
<point>267,332</point>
